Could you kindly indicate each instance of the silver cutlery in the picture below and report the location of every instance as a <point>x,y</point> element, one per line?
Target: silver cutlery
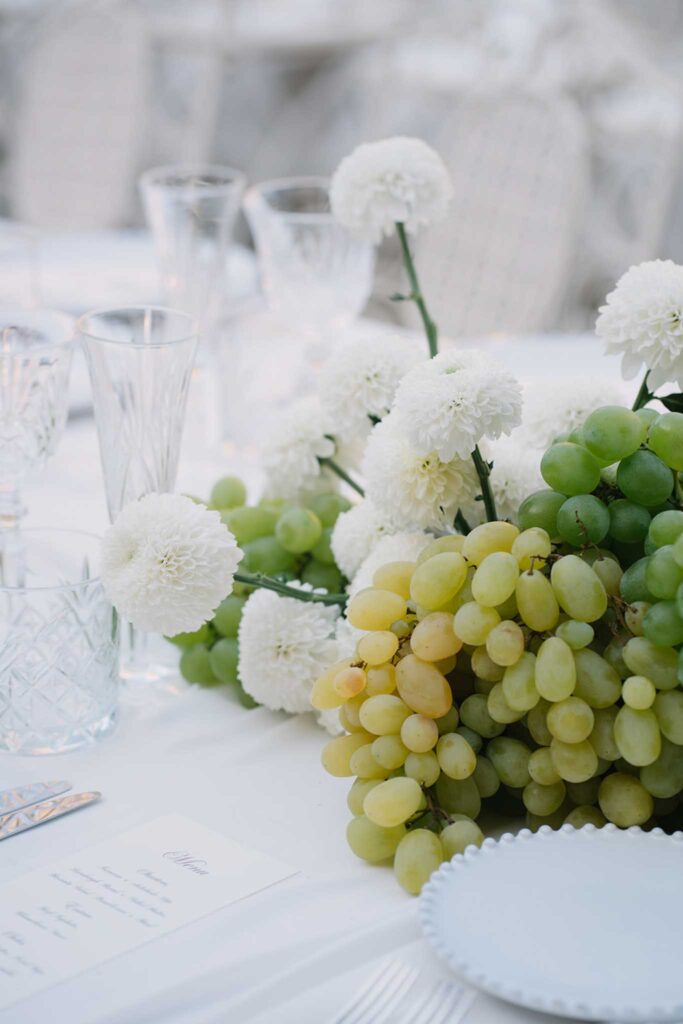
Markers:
<point>38,814</point>
<point>393,995</point>
<point>23,796</point>
<point>380,995</point>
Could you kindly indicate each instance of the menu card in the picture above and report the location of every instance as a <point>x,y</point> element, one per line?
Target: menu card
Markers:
<point>103,901</point>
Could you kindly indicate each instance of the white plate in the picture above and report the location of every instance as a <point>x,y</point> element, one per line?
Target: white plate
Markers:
<point>581,923</point>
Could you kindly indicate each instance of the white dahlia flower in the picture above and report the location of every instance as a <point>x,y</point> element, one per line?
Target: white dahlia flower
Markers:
<point>643,321</point>
<point>354,535</point>
<point>167,563</point>
<point>450,403</point>
<point>558,407</point>
<point>398,547</point>
<point>398,180</point>
<point>360,379</point>
<point>284,645</point>
<point>516,473</point>
<point>415,491</point>
<point>299,438</point>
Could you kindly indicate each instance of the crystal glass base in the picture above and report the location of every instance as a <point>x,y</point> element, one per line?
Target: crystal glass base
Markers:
<point>45,741</point>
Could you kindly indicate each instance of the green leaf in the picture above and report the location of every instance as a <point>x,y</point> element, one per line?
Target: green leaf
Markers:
<point>673,402</point>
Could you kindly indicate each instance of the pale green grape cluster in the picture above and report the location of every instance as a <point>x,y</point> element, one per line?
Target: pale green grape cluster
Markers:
<point>281,540</point>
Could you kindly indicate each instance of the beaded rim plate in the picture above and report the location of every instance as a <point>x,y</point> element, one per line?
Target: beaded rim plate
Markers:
<point>613,956</point>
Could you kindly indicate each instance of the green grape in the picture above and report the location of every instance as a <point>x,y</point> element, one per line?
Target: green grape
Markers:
<point>449,721</point>
<point>639,692</point>
<point>597,682</point>
<point>356,794</point>
<point>666,439</point>
<point>418,855</point>
<point>364,764</point>
<point>666,527</point>
<point>423,687</point>
<point>202,635</point>
<point>383,714</point>
<point>679,671</point>
<point>229,492</point>
<point>375,609</point>
<point>637,735</point>
<point>475,715</point>
<point>570,469</point>
<point>505,643</point>
<point>378,647</point>
<point>458,796</point>
<point>602,737</point>
<point>628,522</point>
<point>266,555</point>
<point>664,777</point>
<point>336,755</point>
<point>541,767</point>
<point>489,537</point>
<point>669,712</point>
<point>371,842</point>
<point>484,668</point>
<point>322,550</point>
<point>392,802</point>
<point>433,638</point>
<point>250,522</point>
<point>678,551</point>
<point>519,685</point>
<point>227,616</point>
<point>419,733</point>
<point>473,622</point>
<point>223,658</point>
<point>499,709</point>
<point>438,579</point>
<point>543,800</point>
<point>635,614</point>
<point>195,665</point>
<point>424,768</point>
<point>584,815</point>
<point>663,575</point>
<point>609,572</point>
<point>473,738</point>
<point>578,589</point>
<point>495,579</point>
<point>570,720</point>
<point>645,479</point>
<point>395,576</point>
<point>555,674</point>
<point>613,432</point>
<point>246,699</point>
<point>633,584</point>
<point>575,634</point>
<point>298,530</point>
<point>531,547</point>
<point>537,723</point>
<point>536,600</point>
<point>324,577</point>
<point>648,416</point>
<point>456,837</point>
<point>574,762</point>
<point>663,625</point>
<point>485,778</point>
<point>540,510</point>
<point>510,758</point>
<point>455,756</point>
<point>624,800</point>
<point>328,507</point>
<point>584,792</point>
<point>645,658</point>
<point>451,542</point>
<point>389,752</point>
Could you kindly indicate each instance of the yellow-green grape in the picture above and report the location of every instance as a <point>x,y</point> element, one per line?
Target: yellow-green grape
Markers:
<point>536,601</point>
<point>614,655</point>
<point>419,733</point>
<point>609,573</point>
<point>485,777</point>
<point>458,796</point>
<point>377,648</point>
<point>602,737</point>
<point>531,546</point>
<point>669,712</point>
<point>455,756</point>
<point>349,714</point>
<point>499,709</point>
<point>384,714</point>
<point>543,800</point>
<point>394,576</point>
<point>381,679</point>
<point>537,723</point>
<point>437,580</point>
<point>624,800</point>
<point>473,738</point>
<point>541,767</point>
<point>392,802</point>
<point>483,686</point>
<point>375,609</point>
<point>364,764</point>
<point>555,670</point>
<point>584,792</point>
<point>489,537</point>
<point>336,755</point>
<point>456,837</point>
<point>575,634</point>
<point>639,692</point>
<point>464,594</point>
<point>324,697</point>
<point>423,688</point>
<point>578,589</point>
<point>475,715</point>
<point>584,815</point>
<point>519,686</point>
<point>634,615</point>
<point>433,638</point>
<point>449,721</point>
<point>484,667</point>
<point>596,681</point>
<point>505,643</point>
<point>664,777</point>
<point>445,666</point>
<point>570,720</point>
<point>424,768</point>
<point>495,579</point>
<point>371,842</point>
<point>452,542</point>
<point>389,752</point>
<point>574,762</point>
<point>349,682</point>
<point>419,854</point>
<point>356,794</point>
<point>657,663</point>
<point>510,758</point>
<point>508,609</point>
<point>473,623</point>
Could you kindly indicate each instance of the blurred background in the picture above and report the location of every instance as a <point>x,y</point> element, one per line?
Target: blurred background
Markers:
<point>561,121</point>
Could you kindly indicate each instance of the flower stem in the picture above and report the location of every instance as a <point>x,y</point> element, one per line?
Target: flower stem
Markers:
<point>258,579</point>
<point>342,474</point>
<point>644,395</point>
<point>430,327</point>
<point>484,472</point>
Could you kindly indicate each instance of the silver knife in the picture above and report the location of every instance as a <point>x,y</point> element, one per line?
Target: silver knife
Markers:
<point>24,796</point>
<point>37,814</point>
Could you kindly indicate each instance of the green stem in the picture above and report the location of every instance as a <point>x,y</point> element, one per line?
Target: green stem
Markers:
<point>484,472</point>
<point>343,475</point>
<point>461,523</point>
<point>430,327</point>
<point>258,579</point>
<point>644,395</point>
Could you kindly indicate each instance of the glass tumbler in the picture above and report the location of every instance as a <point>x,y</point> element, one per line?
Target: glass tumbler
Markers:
<point>58,648</point>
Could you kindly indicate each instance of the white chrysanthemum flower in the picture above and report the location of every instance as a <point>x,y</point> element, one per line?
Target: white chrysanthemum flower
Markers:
<point>392,181</point>
<point>360,379</point>
<point>415,491</point>
<point>558,407</point>
<point>354,535</point>
<point>450,403</point>
<point>398,547</point>
<point>516,473</point>
<point>292,452</point>
<point>643,320</point>
<point>347,637</point>
<point>284,646</point>
<point>167,563</point>
<point>329,721</point>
